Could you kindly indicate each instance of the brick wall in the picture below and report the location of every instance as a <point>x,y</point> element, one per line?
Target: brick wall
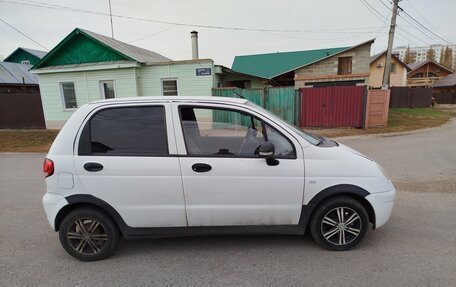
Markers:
<point>326,70</point>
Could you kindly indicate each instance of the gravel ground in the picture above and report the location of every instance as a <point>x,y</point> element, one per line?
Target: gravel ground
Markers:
<point>416,248</point>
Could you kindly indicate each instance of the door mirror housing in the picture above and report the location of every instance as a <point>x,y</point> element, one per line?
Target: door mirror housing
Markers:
<point>267,150</point>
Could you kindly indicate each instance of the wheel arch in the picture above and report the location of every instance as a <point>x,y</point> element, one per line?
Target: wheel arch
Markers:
<point>87,200</point>
<point>357,193</point>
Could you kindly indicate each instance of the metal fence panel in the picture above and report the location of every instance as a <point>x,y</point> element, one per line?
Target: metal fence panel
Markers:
<point>445,98</point>
<point>21,111</point>
<point>281,101</point>
<point>340,106</point>
<point>406,97</point>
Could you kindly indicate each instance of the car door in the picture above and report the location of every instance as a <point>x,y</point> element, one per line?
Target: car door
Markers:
<point>123,156</point>
<point>225,181</point>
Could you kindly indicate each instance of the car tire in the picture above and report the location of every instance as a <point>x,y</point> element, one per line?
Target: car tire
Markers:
<point>339,223</point>
<point>88,234</point>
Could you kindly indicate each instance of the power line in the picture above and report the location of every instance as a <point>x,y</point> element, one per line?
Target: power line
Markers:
<point>424,27</point>
<point>153,34</point>
<point>377,14</point>
<point>411,25</point>
<point>414,25</point>
<point>72,9</point>
<point>17,30</point>
<point>422,17</point>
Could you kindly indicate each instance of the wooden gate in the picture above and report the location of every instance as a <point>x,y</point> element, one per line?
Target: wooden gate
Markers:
<point>340,106</point>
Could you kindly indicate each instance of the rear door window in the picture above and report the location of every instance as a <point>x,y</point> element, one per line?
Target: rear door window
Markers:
<point>127,131</point>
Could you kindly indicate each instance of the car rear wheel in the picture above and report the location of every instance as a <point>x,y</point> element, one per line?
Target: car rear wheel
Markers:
<point>339,223</point>
<point>88,234</point>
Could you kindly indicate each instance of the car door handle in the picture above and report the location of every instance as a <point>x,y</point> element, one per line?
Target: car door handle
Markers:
<point>201,167</point>
<point>93,166</point>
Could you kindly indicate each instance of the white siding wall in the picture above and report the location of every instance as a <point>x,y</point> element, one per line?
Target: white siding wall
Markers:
<point>129,82</point>
<point>87,89</point>
<point>188,83</point>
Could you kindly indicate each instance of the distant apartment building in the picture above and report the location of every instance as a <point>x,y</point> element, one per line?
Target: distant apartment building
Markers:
<point>419,54</point>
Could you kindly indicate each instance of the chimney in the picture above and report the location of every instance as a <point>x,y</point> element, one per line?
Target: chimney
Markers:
<point>194,45</point>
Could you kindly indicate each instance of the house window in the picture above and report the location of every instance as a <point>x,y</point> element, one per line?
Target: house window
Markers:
<point>107,90</point>
<point>169,87</point>
<point>69,95</point>
<point>25,62</point>
<point>393,68</point>
<point>344,66</point>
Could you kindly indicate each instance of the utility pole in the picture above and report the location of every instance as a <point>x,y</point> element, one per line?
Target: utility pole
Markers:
<point>387,70</point>
<point>110,15</point>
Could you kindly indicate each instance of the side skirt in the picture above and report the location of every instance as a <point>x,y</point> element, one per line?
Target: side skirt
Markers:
<point>163,232</point>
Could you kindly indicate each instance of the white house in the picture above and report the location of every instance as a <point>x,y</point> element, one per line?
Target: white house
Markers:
<point>86,67</point>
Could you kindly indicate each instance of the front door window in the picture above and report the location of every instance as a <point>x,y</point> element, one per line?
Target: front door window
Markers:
<point>229,133</point>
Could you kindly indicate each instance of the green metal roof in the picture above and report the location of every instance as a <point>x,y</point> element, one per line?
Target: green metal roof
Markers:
<point>82,46</point>
<point>25,54</point>
<point>275,64</point>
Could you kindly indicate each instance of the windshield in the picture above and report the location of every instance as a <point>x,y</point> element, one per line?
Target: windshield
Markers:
<point>313,139</point>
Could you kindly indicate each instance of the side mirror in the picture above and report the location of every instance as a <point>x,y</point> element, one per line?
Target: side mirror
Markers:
<point>267,150</point>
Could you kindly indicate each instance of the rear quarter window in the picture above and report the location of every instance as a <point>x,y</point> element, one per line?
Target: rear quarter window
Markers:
<point>126,131</point>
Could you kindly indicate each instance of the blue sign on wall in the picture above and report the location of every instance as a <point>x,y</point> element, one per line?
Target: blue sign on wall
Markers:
<point>203,71</point>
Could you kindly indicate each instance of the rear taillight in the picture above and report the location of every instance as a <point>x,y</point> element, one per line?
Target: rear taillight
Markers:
<point>48,167</point>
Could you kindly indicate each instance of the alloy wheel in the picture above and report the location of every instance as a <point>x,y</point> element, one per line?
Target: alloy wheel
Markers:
<point>341,226</point>
<point>87,236</point>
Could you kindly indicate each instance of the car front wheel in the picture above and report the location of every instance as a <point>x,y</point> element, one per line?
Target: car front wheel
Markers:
<point>339,223</point>
<point>88,234</point>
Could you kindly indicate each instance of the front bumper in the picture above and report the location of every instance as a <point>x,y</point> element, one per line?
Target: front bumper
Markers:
<point>53,203</point>
<point>382,203</point>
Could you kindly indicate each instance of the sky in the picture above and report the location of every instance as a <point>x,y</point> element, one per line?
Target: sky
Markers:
<point>291,25</point>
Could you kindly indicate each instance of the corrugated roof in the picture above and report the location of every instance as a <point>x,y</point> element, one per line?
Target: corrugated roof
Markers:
<point>274,64</point>
<point>138,54</point>
<point>376,56</point>
<point>14,73</point>
<point>416,65</point>
<point>38,53</point>
<point>448,81</point>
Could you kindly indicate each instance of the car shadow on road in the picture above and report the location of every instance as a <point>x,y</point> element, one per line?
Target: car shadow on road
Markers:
<point>210,245</point>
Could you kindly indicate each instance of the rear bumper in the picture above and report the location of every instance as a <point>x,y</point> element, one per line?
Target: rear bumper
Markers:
<point>53,203</point>
<point>382,203</point>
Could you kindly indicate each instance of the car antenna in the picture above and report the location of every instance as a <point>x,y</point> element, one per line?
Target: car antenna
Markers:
<point>240,96</point>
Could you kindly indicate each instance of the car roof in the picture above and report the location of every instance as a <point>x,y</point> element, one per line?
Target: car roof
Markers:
<point>193,99</point>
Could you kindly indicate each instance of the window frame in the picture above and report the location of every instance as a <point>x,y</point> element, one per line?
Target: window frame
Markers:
<point>169,79</point>
<point>339,72</point>
<point>62,95</point>
<point>393,71</point>
<point>102,92</point>
<point>86,123</point>
<point>233,109</point>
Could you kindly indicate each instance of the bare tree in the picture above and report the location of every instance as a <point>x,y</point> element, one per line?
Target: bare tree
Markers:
<point>430,54</point>
<point>407,59</point>
<point>447,60</point>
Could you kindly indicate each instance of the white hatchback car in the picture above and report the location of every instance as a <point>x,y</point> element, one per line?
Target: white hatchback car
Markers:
<point>173,166</point>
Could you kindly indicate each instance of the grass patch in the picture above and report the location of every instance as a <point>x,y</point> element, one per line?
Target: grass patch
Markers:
<point>26,140</point>
<point>399,120</point>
